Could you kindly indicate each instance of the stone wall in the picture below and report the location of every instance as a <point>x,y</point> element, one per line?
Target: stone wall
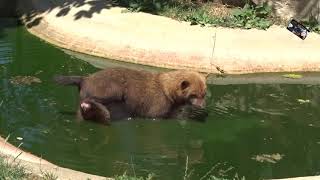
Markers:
<point>298,9</point>
<point>7,8</point>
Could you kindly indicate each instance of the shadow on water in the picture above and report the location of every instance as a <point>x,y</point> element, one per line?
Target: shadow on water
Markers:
<point>245,122</point>
<point>7,23</point>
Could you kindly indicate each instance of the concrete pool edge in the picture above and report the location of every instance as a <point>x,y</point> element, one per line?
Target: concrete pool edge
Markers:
<point>38,166</point>
<point>163,42</point>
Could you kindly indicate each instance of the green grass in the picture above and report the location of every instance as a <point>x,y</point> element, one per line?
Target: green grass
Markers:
<point>151,177</point>
<point>312,24</point>
<point>213,14</point>
<point>247,17</point>
<point>49,176</point>
<point>12,171</point>
<point>217,172</point>
<point>126,177</point>
<point>206,13</point>
<point>15,171</point>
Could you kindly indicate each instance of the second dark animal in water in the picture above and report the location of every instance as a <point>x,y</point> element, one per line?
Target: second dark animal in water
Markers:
<point>120,92</point>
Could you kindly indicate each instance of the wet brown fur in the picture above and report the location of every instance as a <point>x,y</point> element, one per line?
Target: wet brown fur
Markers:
<point>142,93</point>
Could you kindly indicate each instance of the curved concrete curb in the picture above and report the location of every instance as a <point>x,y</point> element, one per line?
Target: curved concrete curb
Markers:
<point>258,78</point>
<point>38,166</point>
<point>159,41</point>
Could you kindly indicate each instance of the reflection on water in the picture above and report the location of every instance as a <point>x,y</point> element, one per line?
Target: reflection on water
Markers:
<point>244,121</point>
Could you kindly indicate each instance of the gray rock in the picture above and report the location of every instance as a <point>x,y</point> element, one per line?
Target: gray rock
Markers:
<point>298,9</point>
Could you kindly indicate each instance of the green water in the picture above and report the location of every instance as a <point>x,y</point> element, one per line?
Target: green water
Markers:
<point>244,121</point>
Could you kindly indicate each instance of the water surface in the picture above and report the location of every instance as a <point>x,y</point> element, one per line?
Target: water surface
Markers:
<point>244,121</point>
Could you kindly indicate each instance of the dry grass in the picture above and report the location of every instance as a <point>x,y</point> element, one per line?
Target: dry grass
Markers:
<point>218,9</point>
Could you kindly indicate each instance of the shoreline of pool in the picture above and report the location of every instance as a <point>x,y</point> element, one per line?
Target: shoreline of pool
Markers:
<point>147,39</point>
<point>38,166</point>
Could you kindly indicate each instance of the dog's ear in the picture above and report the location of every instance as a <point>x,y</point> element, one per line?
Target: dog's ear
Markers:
<point>184,85</point>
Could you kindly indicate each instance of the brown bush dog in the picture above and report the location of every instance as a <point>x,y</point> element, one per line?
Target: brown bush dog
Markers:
<point>138,93</point>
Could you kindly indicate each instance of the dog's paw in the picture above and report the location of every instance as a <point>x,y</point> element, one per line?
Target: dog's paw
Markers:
<point>85,106</point>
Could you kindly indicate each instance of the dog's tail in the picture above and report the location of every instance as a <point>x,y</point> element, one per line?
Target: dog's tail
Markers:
<point>68,80</point>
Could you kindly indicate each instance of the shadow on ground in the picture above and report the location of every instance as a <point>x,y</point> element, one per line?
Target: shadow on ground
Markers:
<point>96,6</point>
<point>30,13</point>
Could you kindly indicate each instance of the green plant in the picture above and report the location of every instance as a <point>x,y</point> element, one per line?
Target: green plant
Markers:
<point>198,17</point>
<point>126,177</point>
<point>219,178</point>
<point>247,17</point>
<point>251,16</point>
<point>152,6</point>
<point>312,24</point>
<point>11,171</point>
<point>49,176</point>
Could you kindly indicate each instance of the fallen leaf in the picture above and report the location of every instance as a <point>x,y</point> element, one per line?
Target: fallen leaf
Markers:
<point>271,158</point>
<point>292,76</point>
<point>302,101</point>
<point>24,80</point>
